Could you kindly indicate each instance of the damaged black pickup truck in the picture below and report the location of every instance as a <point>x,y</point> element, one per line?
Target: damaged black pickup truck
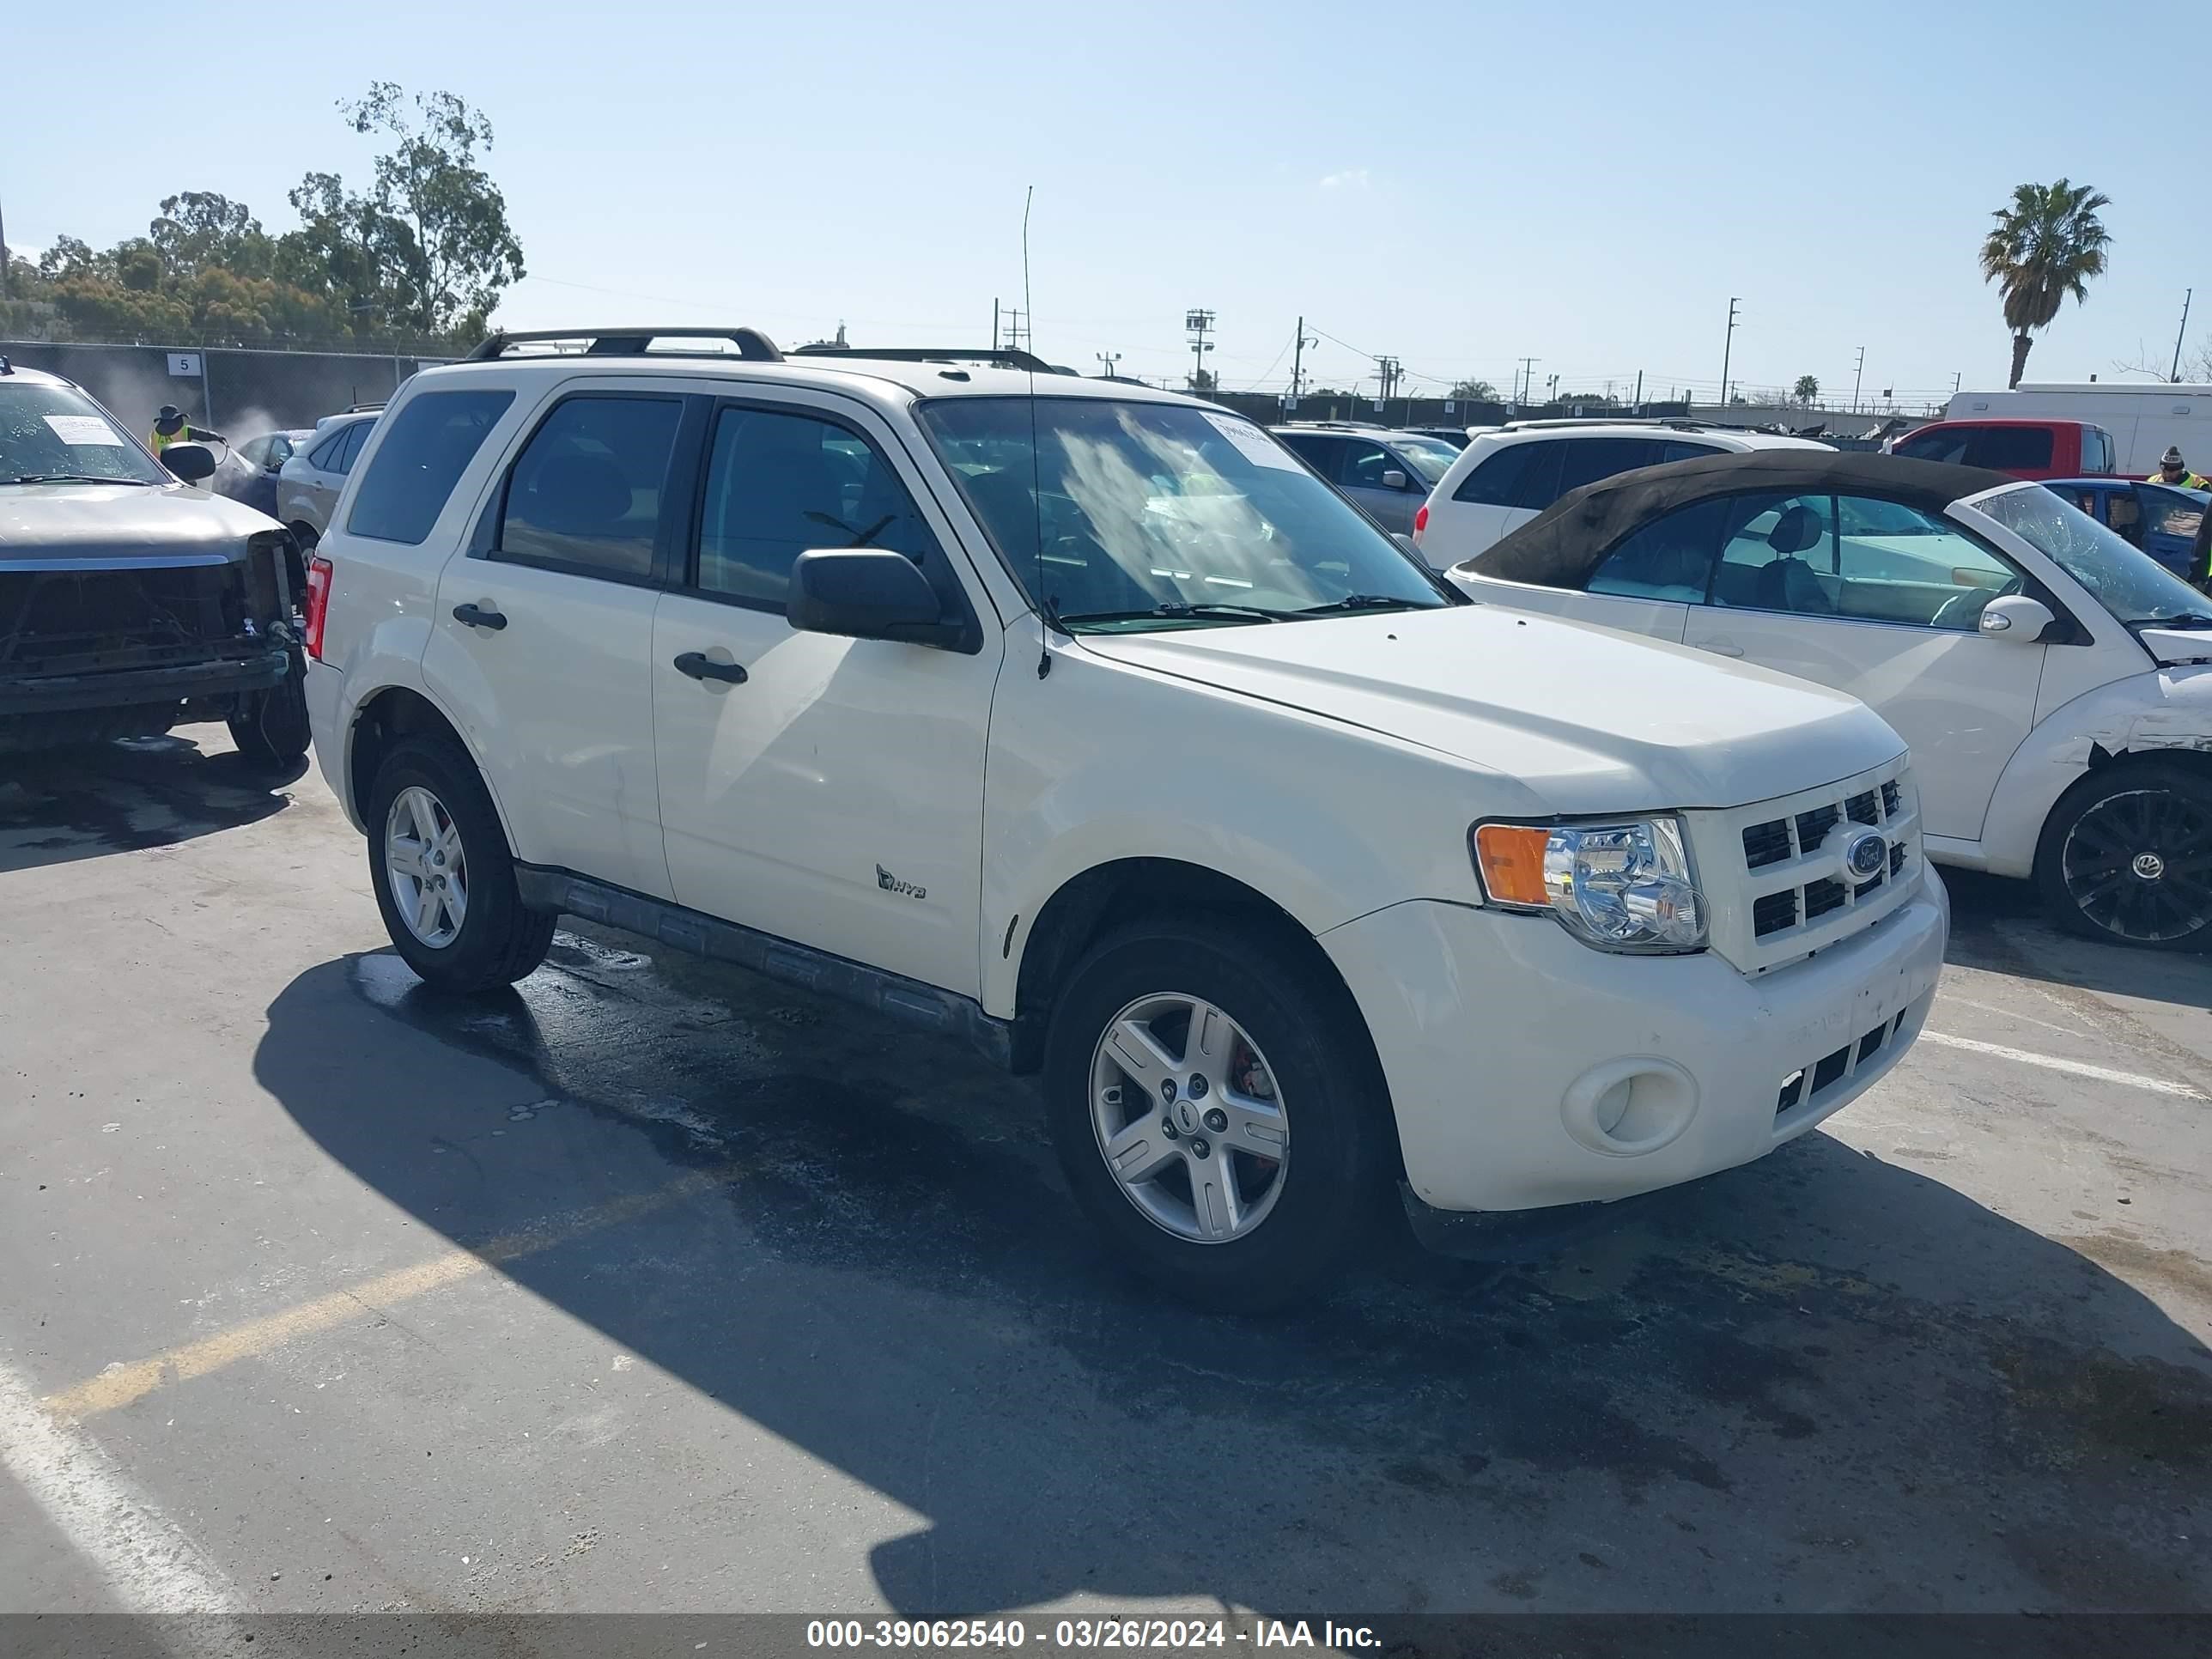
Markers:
<point>131,601</point>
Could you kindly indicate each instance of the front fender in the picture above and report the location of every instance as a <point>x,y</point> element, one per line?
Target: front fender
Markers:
<point>2164,711</point>
<point>1102,761</point>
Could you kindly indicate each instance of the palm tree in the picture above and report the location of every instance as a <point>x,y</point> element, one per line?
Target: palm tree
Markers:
<point>1806,389</point>
<point>2046,245</point>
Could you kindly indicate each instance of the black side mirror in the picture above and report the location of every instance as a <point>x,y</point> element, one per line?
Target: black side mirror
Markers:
<point>190,463</point>
<point>871,593</point>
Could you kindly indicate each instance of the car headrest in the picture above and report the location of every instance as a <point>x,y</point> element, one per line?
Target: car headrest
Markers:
<point>1797,529</point>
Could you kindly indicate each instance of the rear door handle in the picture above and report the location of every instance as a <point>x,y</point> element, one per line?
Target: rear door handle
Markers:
<point>1722,647</point>
<point>472,616</point>
<point>700,667</point>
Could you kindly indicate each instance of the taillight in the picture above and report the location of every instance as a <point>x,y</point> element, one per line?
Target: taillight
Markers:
<point>318,604</point>
<point>1420,520</point>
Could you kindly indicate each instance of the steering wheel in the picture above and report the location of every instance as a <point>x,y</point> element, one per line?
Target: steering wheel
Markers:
<point>1952,610</point>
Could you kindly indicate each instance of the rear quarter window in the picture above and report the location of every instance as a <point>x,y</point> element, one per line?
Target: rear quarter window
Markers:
<point>427,446</point>
<point>1513,476</point>
<point>2010,449</point>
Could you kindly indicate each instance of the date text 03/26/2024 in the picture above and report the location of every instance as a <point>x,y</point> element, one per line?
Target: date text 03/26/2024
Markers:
<point>1147,1634</point>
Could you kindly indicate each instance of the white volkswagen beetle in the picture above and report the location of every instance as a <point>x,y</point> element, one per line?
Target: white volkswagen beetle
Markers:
<point>2055,684</point>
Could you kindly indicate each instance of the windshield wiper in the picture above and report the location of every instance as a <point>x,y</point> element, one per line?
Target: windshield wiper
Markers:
<point>1174,609</point>
<point>1362,602</point>
<point>2188,622</point>
<point>75,477</point>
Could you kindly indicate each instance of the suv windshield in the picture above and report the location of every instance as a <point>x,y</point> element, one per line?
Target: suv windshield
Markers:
<point>2128,582</point>
<point>1141,515</point>
<point>57,434</point>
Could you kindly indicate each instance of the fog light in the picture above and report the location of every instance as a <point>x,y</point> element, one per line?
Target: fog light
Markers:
<point>1627,1108</point>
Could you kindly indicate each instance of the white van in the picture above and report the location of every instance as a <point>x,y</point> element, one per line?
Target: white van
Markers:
<point>2143,417</point>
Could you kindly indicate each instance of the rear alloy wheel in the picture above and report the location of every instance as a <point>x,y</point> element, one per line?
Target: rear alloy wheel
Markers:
<point>2129,859</point>
<point>444,878</point>
<point>1217,1108</point>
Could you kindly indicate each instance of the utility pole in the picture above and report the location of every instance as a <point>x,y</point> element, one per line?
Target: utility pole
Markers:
<point>1857,375</point>
<point>1106,360</point>
<point>1639,392</point>
<point>1529,375</point>
<point>1727,348</point>
<point>1298,359</point>
<point>1386,371</point>
<point>1955,379</point>
<point>3,259</point>
<point>994,325</point>
<point>1198,324</point>
<point>2174,376</point>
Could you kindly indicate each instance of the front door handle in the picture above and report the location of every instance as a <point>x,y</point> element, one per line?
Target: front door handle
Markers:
<point>700,667</point>
<point>472,616</point>
<point>1723,647</point>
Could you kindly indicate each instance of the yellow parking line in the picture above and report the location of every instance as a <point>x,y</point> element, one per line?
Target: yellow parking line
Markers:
<point>120,1385</point>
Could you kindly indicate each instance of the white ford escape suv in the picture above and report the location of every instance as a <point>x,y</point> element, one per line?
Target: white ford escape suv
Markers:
<point>1084,722</point>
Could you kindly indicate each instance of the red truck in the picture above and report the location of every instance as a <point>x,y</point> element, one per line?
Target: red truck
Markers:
<point>2034,449</point>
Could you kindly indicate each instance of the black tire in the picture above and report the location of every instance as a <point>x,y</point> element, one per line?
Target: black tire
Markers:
<point>272,730</point>
<point>2088,863</point>
<point>499,940</point>
<point>1336,1177</point>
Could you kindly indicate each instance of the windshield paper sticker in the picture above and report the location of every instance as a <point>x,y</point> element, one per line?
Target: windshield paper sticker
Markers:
<point>1253,445</point>
<point>83,430</point>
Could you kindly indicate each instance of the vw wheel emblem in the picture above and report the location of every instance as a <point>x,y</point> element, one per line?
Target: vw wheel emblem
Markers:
<point>1866,855</point>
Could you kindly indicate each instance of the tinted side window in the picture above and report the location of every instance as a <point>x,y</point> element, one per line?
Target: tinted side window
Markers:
<point>349,450</point>
<point>324,455</point>
<point>1497,481</point>
<point>1589,459</point>
<point>779,484</point>
<point>585,492</point>
<point>2003,447</point>
<point>1364,464</point>
<point>1675,449</point>
<point>1949,446</point>
<point>1317,453</point>
<point>2103,441</point>
<point>1670,558</point>
<point>430,443</point>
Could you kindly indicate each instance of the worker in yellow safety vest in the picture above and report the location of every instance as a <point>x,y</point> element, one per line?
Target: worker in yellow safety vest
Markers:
<point>170,427</point>
<point>2172,471</point>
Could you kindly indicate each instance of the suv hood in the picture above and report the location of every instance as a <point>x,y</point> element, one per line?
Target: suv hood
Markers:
<point>1591,720</point>
<point>96,525</point>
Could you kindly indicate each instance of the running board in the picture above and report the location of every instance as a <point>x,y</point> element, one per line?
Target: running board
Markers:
<point>906,1000</point>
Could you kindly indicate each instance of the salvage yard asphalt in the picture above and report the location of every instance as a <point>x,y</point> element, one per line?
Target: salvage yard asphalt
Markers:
<point>656,1287</point>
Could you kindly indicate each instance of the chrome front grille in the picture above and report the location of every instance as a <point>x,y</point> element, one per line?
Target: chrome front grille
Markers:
<point>1788,892</point>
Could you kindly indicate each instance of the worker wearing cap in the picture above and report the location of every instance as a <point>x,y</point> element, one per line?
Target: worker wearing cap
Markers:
<point>170,427</point>
<point>2172,471</point>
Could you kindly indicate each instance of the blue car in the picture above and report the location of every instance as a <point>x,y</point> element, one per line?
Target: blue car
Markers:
<point>2159,519</point>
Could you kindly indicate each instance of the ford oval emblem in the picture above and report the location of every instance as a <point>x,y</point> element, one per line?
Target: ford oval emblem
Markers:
<point>1866,855</point>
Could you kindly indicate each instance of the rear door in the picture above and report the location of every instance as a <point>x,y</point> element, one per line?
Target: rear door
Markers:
<point>1884,602</point>
<point>543,632</point>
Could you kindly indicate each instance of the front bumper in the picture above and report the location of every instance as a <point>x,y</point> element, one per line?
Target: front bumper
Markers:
<point>55,694</point>
<point>1507,1045</point>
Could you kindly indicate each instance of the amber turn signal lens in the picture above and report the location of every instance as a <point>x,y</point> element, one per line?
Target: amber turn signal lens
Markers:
<point>1511,859</point>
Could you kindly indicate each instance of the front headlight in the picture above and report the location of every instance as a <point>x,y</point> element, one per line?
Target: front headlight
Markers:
<point>1623,886</point>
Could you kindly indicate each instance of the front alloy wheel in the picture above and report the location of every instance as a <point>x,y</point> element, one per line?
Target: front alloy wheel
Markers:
<point>2138,865</point>
<point>1189,1118</point>
<point>426,866</point>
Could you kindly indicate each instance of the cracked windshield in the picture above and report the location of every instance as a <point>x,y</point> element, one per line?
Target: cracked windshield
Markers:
<point>1133,515</point>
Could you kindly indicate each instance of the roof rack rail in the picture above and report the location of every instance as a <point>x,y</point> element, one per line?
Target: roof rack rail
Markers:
<point>753,346</point>
<point>995,356</point>
<point>1675,422</point>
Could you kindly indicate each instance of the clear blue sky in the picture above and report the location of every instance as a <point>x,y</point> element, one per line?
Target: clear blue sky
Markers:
<point>1459,185</point>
